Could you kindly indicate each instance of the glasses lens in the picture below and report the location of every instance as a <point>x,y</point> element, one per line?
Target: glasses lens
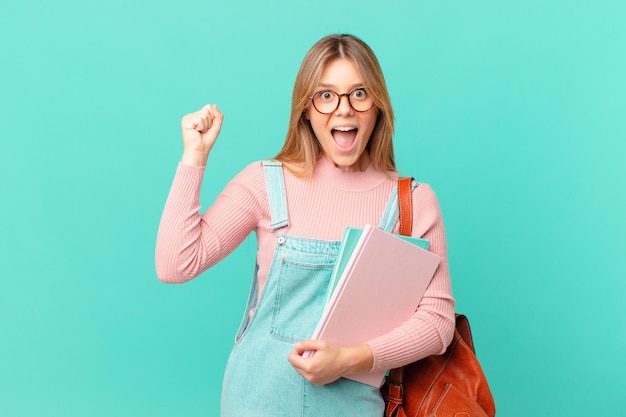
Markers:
<point>325,101</point>
<point>360,100</point>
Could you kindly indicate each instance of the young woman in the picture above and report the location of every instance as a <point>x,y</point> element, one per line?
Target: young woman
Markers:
<point>336,169</point>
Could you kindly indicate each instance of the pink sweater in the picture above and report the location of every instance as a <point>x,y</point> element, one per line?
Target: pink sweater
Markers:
<point>321,207</point>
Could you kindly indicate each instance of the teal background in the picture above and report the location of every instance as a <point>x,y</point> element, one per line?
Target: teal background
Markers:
<point>515,113</point>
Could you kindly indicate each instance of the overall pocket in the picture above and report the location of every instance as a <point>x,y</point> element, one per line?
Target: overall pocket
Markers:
<point>299,299</point>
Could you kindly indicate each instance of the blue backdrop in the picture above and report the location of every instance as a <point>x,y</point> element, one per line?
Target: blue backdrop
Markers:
<point>515,113</point>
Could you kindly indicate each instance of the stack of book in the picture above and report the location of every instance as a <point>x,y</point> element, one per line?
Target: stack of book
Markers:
<point>377,284</point>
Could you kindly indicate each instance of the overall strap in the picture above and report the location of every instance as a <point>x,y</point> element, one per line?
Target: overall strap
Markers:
<point>276,195</point>
<point>392,211</point>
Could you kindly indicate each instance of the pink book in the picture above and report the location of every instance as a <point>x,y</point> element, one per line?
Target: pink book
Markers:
<point>380,288</point>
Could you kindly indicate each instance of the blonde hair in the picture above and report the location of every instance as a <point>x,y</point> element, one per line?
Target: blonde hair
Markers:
<point>301,148</point>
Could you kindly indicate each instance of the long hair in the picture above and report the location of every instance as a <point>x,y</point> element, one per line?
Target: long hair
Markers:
<point>301,148</point>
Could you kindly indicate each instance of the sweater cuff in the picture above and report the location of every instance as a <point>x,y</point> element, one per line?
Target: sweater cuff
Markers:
<point>383,349</point>
<point>182,166</point>
<point>388,355</point>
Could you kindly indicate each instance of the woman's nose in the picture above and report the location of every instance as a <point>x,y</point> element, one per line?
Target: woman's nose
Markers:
<point>344,108</point>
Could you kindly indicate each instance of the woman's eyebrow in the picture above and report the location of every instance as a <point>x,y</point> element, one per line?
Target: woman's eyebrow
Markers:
<point>324,85</point>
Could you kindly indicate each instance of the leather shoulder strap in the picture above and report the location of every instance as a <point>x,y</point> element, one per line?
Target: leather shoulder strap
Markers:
<point>405,208</point>
<point>405,205</point>
<point>463,327</point>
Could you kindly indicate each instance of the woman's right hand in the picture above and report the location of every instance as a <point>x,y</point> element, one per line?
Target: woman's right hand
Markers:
<point>200,131</point>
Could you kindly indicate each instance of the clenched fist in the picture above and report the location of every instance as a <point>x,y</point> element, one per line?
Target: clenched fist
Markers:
<point>200,131</point>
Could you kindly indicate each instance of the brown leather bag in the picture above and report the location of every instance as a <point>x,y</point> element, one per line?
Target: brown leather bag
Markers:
<point>448,385</point>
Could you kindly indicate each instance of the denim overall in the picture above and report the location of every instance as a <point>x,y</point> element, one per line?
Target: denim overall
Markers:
<point>259,381</point>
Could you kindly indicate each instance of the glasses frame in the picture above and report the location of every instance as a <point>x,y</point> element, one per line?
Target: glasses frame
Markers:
<point>339,96</point>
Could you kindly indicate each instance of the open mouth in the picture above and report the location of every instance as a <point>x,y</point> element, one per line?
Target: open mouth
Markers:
<point>344,137</point>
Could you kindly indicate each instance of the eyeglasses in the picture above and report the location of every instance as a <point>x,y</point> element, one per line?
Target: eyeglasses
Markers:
<point>327,101</point>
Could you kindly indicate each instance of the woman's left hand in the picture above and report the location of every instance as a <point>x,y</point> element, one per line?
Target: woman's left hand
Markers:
<point>329,361</point>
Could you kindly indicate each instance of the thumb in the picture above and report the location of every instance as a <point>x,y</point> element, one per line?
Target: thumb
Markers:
<point>305,345</point>
<point>218,117</point>
<point>216,121</point>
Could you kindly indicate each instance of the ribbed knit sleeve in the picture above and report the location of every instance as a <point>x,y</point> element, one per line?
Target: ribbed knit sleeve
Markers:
<point>189,243</point>
<point>431,328</point>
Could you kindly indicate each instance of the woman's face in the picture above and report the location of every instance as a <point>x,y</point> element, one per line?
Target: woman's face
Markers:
<point>344,133</point>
